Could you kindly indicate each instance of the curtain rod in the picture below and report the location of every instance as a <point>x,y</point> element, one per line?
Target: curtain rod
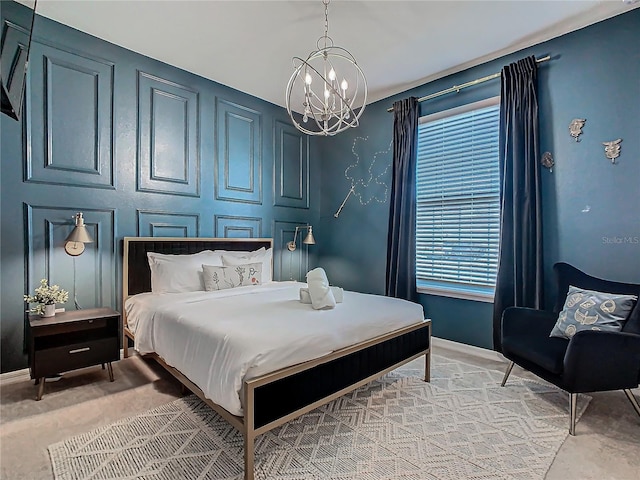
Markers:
<point>457,88</point>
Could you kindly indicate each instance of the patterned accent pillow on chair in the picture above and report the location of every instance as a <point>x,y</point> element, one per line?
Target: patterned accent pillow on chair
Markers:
<point>589,310</point>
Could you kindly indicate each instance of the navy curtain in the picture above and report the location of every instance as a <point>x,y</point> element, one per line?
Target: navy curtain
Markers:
<point>401,241</point>
<point>519,281</point>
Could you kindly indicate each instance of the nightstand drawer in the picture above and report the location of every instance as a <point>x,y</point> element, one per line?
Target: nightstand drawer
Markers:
<point>77,355</point>
<point>78,326</point>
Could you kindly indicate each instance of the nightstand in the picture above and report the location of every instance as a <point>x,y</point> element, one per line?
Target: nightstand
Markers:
<point>70,340</point>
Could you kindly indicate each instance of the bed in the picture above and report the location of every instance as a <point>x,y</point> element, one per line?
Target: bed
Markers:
<point>267,399</point>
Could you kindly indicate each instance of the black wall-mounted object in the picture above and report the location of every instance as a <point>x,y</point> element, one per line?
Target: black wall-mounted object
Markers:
<point>17,28</point>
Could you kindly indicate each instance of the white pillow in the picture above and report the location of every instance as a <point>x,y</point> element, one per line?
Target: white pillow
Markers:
<point>241,253</point>
<point>261,255</point>
<point>221,278</point>
<point>179,273</point>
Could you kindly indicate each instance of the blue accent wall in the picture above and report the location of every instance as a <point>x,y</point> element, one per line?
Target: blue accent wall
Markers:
<point>142,148</point>
<point>590,207</point>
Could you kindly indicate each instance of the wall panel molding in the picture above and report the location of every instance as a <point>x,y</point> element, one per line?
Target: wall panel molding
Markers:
<point>291,166</point>
<point>168,137</point>
<point>95,270</point>
<point>238,163</point>
<point>69,123</point>
<point>94,115</point>
<point>15,44</point>
<point>167,224</point>
<point>289,265</point>
<point>233,226</point>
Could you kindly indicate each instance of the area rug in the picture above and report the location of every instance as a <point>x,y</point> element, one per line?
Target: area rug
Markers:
<point>462,425</point>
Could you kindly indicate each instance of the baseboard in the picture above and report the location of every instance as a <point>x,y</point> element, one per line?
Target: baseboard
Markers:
<point>468,349</point>
<point>15,376</point>
<point>23,375</point>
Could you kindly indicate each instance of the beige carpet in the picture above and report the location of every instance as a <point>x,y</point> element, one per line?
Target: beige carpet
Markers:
<point>461,425</point>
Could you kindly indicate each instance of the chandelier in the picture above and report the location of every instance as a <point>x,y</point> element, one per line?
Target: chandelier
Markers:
<point>328,87</point>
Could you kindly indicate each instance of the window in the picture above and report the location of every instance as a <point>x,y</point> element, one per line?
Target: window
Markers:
<point>458,201</point>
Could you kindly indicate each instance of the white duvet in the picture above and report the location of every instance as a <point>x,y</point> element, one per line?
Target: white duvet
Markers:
<point>219,339</point>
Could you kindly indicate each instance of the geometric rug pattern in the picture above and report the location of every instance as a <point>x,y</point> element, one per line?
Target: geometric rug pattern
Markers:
<point>462,425</point>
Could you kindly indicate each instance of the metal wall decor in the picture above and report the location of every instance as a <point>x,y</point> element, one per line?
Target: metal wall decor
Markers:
<point>361,181</point>
<point>575,128</point>
<point>547,161</point>
<point>612,149</point>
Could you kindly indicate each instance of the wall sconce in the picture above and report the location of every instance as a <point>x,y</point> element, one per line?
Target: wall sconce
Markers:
<point>74,243</point>
<point>74,246</point>
<point>308,240</point>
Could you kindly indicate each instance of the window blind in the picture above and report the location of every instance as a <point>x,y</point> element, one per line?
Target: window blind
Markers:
<point>458,209</point>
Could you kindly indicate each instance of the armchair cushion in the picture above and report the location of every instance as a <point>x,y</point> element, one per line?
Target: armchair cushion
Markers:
<point>525,335</point>
<point>591,310</point>
<point>547,353</point>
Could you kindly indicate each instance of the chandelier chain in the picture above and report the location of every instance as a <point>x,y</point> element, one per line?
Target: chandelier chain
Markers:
<point>326,21</point>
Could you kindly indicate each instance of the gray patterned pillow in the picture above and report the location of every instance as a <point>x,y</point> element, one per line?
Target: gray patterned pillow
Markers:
<point>589,310</point>
<point>221,278</point>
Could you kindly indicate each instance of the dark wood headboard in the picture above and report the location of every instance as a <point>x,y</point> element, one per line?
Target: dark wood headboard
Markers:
<point>136,275</point>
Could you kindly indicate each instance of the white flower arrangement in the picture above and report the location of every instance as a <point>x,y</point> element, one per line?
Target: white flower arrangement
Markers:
<point>46,295</point>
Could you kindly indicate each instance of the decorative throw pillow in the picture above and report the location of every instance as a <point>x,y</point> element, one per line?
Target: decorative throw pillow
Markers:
<point>589,310</point>
<point>221,278</point>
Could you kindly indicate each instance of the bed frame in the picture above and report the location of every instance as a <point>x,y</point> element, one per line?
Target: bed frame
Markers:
<point>277,397</point>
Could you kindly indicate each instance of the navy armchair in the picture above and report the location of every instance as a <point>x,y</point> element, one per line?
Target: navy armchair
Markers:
<point>591,361</point>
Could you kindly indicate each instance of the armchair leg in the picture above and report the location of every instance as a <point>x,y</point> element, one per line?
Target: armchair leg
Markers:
<point>506,374</point>
<point>632,399</point>
<point>573,403</point>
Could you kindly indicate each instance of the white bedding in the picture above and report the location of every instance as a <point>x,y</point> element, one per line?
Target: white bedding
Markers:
<point>217,339</point>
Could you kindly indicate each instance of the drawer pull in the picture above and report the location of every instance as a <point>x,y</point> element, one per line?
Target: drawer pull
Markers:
<point>80,350</point>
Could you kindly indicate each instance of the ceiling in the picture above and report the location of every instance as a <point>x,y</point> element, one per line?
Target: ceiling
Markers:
<point>248,45</point>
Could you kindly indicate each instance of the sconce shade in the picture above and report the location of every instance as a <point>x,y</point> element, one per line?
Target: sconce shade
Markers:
<point>79,232</point>
<point>309,240</point>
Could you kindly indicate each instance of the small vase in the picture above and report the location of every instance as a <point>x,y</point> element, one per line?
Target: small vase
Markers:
<point>49,310</point>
